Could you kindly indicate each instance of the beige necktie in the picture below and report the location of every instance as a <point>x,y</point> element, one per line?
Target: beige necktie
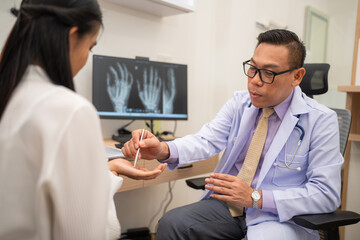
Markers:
<point>252,157</point>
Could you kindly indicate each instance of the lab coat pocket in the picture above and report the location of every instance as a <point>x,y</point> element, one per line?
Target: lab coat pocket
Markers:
<point>292,174</point>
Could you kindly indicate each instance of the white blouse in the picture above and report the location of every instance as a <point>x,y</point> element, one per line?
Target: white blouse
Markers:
<point>54,178</point>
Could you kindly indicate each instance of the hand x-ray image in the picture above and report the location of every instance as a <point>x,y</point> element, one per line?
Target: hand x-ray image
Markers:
<point>119,81</point>
<point>139,88</point>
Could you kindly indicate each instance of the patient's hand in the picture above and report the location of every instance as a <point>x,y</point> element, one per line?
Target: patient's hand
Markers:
<point>120,166</point>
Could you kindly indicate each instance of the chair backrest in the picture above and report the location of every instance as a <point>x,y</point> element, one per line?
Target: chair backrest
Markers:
<point>344,119</point>
<point>315,81</point>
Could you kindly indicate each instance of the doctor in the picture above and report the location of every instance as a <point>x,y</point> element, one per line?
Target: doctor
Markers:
<point>289,179</point>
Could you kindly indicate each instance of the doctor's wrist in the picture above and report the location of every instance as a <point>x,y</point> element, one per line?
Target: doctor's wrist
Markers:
<point>164,152</point>
<point>261,200</point>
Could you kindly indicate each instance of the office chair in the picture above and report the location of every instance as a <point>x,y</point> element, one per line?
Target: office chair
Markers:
<point>315,82</point>
<point>328,224</point>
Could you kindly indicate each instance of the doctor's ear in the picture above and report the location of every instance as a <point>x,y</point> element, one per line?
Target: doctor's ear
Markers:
<point>298,76</point>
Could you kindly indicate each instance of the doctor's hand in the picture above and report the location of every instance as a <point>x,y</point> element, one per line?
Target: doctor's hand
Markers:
<point>231,189</point>
<point>150,147</point>
<point>121,166</point>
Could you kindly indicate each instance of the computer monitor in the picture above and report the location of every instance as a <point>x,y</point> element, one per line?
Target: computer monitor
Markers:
<point>125,88</point>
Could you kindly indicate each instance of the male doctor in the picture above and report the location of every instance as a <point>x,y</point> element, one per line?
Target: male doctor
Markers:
<point>286,179</point>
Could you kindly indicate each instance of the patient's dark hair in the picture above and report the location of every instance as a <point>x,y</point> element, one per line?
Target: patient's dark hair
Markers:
<point>288,39</point>
<point>40,36</point>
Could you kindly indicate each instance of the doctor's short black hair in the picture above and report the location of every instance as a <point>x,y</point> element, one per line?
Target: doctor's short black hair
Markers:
<point>297,51</point>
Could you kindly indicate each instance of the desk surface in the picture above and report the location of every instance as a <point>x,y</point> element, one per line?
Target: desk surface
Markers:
<point>194,169</point>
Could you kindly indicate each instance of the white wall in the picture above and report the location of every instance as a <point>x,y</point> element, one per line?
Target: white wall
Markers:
<point>6,19</point>
<point>213,41</point>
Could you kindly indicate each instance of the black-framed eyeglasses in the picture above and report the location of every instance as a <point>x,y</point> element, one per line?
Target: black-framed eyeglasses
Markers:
<point>266,76</point>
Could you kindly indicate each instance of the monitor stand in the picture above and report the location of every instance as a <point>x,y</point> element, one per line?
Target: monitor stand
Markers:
<point>151,126</point>
<point>123,134</point>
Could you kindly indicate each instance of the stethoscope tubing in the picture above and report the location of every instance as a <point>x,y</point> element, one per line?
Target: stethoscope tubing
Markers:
<point>287,165</point>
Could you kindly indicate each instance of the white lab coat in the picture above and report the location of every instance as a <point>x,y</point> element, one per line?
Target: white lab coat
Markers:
<point>54,179</point>
<point>313,189</point>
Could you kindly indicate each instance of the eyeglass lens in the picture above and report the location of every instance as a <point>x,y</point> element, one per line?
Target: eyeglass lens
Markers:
<point>265,75</point>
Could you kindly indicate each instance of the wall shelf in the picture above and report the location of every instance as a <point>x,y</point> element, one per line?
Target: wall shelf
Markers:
<point>160,8</point>
<point>350,89</point>
<point>354,137</point>
<point>353,104</point>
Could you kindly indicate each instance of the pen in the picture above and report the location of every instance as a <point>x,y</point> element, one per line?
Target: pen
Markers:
<point>138,150</point>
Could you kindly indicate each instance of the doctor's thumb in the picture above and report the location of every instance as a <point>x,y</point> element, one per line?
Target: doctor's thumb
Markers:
<point>142,144</point>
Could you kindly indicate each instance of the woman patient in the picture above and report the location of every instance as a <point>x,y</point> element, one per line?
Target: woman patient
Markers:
<point>55,181</point>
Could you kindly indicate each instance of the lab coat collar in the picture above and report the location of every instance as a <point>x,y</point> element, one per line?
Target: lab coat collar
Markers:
<point>298,104</point>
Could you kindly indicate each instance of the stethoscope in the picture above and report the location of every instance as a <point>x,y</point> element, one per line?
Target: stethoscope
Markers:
<point>288,164</point>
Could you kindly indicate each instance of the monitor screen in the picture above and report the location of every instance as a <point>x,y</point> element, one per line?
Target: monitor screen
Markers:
<point>139,89</point>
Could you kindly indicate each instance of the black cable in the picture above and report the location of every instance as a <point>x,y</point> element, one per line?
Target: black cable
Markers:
<point>168,132</point>
<point>151,127</point>
<point>171,197</point>
<point>158,211</point>
<point>173,133</point>
<point>162,203</point>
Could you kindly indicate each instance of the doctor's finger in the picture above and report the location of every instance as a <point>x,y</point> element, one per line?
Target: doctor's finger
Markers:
<point>225,177</point>
<point>149,143</point>
<point>129,149</point>
<point>220,190</point>
<point>223,198</point>
<point>136,135</point>
<point>219,183</point>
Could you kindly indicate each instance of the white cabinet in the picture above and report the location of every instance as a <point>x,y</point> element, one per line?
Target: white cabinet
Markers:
<point>159,7</point>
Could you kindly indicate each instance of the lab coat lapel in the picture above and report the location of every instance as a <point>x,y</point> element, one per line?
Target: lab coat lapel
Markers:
<point>278,143</point>
<point>297,106</point>
<point>247,122</point>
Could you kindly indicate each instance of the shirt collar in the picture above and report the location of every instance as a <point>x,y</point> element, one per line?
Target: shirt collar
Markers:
<point>282,107</point>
